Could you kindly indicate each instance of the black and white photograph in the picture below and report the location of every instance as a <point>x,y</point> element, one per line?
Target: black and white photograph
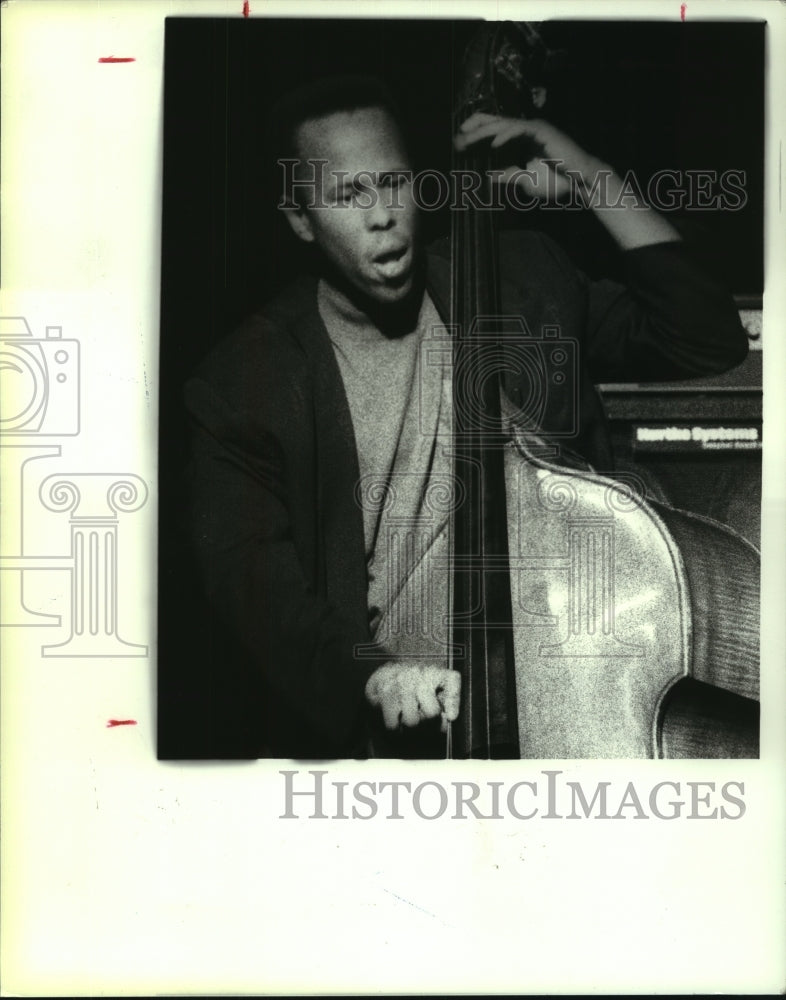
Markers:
<point>461,344</point>
<point>392,550</point>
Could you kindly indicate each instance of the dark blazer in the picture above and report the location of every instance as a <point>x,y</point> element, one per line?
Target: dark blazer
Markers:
<point>277,531</point>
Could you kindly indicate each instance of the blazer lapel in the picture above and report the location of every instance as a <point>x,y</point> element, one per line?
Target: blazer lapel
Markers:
<point>341,569</point>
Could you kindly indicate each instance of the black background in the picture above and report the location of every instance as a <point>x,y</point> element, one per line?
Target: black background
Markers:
<point>644,96</point>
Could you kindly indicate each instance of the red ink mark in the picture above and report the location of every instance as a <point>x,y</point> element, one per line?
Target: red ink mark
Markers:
<point>120,722</point>
<point>246,8</point>
<point>116,59</point>
<point>683,7</point>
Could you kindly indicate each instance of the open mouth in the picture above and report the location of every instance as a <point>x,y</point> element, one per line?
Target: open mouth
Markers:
<point>390,255</point>
<point>393,263</point>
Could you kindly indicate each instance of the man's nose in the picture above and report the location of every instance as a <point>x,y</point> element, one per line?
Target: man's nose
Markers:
<point>380,215</point>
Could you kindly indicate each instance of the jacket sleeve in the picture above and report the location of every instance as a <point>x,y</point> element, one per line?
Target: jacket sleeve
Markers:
<point>253,576</point>
<point>669,320</point>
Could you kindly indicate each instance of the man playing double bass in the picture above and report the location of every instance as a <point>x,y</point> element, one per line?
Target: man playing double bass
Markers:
<point>320,426</point>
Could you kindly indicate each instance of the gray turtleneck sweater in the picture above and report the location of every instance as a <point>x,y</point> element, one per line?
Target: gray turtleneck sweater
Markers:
<point>399,390</point>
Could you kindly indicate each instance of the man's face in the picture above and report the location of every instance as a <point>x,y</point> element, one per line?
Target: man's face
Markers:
<point>368,232</point>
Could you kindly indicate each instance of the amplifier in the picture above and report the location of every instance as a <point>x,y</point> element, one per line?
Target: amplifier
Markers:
<point>697,443</point>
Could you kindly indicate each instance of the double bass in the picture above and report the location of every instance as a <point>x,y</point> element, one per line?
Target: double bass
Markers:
<point>588,620</point>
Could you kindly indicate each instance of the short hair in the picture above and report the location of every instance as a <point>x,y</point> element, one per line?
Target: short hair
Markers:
<point>326,96</point>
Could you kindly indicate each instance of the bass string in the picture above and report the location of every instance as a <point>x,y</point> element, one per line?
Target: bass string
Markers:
<point>473,294</point>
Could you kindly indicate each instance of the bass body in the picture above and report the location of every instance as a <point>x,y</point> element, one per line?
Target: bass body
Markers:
<point>635,625</point>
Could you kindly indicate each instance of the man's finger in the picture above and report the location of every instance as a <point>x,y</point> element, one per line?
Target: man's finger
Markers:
<point>427,699</point>
<point>478,118</point>
<point>410,714</point>
<point>449,695</point>
<point>391,709</point>
<point>482,131</point>
<point>505,135</point>
<point>492,128</point>
<point>372,690</point>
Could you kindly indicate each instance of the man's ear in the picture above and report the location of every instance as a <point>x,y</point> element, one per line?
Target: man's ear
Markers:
<point>300,222</point>
<point>538,95</point>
